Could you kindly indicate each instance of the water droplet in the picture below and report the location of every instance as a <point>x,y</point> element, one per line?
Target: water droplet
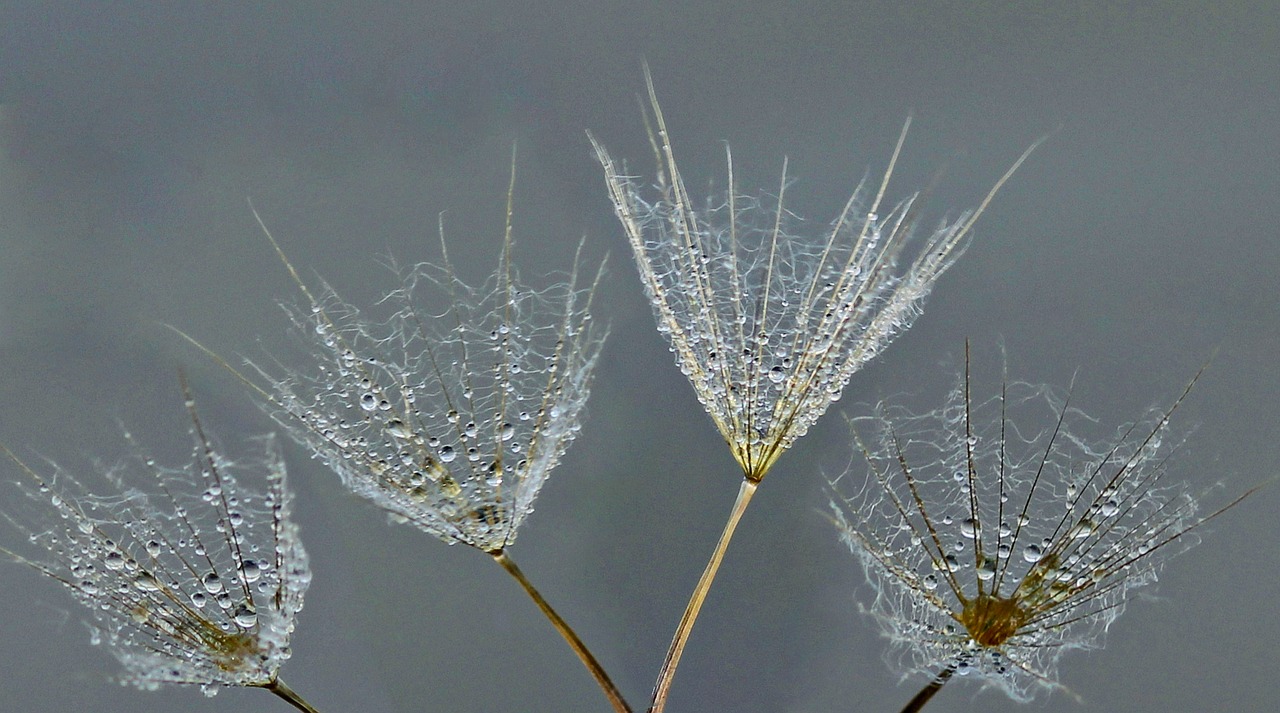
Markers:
<point>1083,529</point>
<point>212,583</point>
<point>970,527</point>
<point>198,600</point>
<point>146,582</point>
<point>506,432</point>
<point>777,374</point>
<point>113,560</point>
<point>245,616</point>
<point>1032,553</point>
<point>447,454</point>
<point>368,401</point>
<point>397,428</point>
<point>930,582</point>
<point>987,570</point>
<point>250,571</point>
<point>1110,508</point>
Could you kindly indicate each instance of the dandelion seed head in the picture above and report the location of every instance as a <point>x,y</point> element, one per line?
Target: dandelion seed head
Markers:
<point>191,580</point>
<point>769,316</point>
<point>997,535</point>
<point>451,411</point>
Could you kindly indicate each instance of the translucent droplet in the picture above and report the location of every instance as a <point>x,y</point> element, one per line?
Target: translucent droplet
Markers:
<point>368,401</point>
<point>777,374</point>
<point>113,561</point>
<point>970,527</point>
<point>245,616</point>
<point>1032,553</point>
<point>146,582</point>
<point>397,428</point>
<point>212,583</point>
<point>447,454</point>
<point>987,570</point>
<point>250,571</point>
<point>930,581</point>
<point>506,432</point>
<point>1083,529</point>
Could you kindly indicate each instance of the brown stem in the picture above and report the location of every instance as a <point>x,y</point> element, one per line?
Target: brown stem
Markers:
<point>610,691</point>
<point>668,670</point>
<point>279,688</point>
<point>928,691</point>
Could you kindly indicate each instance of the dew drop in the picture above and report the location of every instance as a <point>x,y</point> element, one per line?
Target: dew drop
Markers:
<point>987,570</point>
<point>368,401</point>
<point>397,428</point>
<point>212,583</point>
<point>506,432</point>
<point>245,616</point>
<point>146,582</point>
<point>447,454</point>
<point>1032,553</point>
<point>251,571</point>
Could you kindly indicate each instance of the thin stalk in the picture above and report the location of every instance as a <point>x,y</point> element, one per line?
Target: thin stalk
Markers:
<point>668,670</point>
<point>280,689</point>
<point>610,691</point>
<point>928,691</point>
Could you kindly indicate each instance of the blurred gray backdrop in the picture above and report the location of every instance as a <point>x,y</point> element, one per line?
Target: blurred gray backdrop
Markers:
<point>1137,241</point>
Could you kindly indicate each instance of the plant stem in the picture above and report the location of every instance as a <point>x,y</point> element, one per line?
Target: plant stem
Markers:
<point>279,688</point>
<point>610,691</point>
<point>921,698</point>
<point>668,670</point>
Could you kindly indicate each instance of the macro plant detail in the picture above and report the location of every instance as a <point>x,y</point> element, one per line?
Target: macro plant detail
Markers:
<point>769,323</point>
<point>997,534</point>
<point>450,413</point>
<point>192,580</point>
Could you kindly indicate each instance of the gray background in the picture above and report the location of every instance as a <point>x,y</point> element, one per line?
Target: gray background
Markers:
<point>1140,239</point>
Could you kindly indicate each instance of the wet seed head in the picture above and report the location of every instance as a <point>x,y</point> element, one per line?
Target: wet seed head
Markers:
<point>189,578</point>
<point>458,400</point>
<point>999,533</point>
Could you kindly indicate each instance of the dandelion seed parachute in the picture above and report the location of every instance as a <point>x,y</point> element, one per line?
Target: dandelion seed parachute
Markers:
<point>998,535</point>
<point>192,580</point>
<point>449,413</point>
<point>769,317</point>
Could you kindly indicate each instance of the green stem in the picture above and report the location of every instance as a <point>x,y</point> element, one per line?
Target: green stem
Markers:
<point>610,691</point>
<point>668,670</point>
<point>921,698</point>
<point>279,688</point>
